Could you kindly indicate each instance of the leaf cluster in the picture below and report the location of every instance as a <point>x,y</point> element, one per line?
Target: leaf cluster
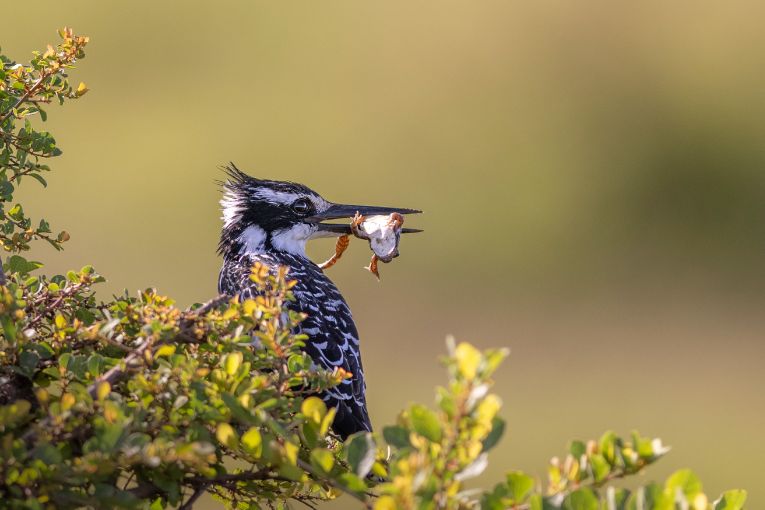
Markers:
<point>24,91</point>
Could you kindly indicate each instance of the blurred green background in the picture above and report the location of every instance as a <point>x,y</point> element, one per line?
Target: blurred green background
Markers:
<point>592,176</point>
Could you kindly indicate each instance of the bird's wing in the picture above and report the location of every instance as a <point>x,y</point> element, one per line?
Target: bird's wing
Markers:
<point>333,340</point>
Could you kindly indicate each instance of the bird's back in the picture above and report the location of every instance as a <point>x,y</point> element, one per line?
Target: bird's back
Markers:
<point>333,338</point>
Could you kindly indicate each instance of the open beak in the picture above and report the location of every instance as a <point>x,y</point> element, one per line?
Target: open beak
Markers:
<point>337,211</point>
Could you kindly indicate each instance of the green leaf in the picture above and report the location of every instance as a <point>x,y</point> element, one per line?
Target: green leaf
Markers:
<point>493,358</point>
<point>607,446</point>
<point>64,359</point>
<point>322,459</point>
<point>581,499</point>
<point>643,445</point>
<point>39,178</point>
<point>685,480</point>
<point>617,498</point>
<point>360,452</point>
<point>48,454</point>
<point>731,500</point>
<point>352,482</point>
<point>237,410</point>
<point>600,467</point>
<point>497,429</point>
<point>396,436</point>
<point>106,438</point>
<point>577,449</point>
<point>95,364</point>
<point>28,362</point>
<point>425,422</point>
<point>9,326</point>
<point>652,497</point>
<point>20,265</point>
<point>14,413</point>
<point>519,486</point>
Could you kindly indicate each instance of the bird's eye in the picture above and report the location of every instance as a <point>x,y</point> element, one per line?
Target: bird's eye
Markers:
<point>301,206</point>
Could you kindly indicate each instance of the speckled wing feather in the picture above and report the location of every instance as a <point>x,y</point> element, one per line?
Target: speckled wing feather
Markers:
<point>333,340</point>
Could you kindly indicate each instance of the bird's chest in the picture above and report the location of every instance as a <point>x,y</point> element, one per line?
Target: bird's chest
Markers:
<point>328,315</point>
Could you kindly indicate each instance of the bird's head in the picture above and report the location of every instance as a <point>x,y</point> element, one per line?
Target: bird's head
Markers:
<point>261,215</point>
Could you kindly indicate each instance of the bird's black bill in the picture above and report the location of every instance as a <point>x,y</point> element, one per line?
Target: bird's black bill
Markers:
<point>337,211</point>
<point>342,228</point>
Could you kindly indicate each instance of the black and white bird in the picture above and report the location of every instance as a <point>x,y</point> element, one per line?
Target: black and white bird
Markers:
<point>270,222</point>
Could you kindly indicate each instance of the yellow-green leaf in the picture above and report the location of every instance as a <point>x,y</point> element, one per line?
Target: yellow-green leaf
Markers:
<point>385,503</point>
<point>226,435</point>
<point>249,306</point>
<point>253,441</point>
<point>327,421</point>
<point>314,409</point>
<point>103,390</point>
<point>323,459</point>
<point>731,500</point>
<point>165,350</point>
<point>232,362</point>
<point>468,360</point>
<point>425,422</point>
<point>67,401</point>
<point>291,451</point>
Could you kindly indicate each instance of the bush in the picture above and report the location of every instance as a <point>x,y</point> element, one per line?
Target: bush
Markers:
<point>136,403</point>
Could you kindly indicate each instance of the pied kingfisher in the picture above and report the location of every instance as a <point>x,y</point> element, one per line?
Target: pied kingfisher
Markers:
<point>270,222</point>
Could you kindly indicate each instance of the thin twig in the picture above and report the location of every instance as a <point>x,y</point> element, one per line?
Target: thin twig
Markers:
<point>247,476</point>
<point>189,504</point>
<point>9,138</point>
<point>306,503</point>
<point>307,467</point>
<point>26,96</point>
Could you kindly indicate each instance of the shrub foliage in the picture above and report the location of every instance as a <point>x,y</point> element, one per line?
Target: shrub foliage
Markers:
<point>136,403</point>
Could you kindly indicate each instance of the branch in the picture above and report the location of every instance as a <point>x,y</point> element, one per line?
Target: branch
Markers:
<point>9,138</point>
<point>247,476</point>
<point>189,504</point>
<point>26,96</point>
<point>144,490</point>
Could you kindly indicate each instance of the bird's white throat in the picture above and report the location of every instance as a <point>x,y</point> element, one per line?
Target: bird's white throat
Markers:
<point>289,240</point>
<point>292,240</point>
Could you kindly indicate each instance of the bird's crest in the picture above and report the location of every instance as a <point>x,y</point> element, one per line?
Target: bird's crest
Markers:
<point>236,188</point>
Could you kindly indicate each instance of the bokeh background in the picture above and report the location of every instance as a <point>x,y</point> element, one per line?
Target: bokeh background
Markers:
<point>592,176</point>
